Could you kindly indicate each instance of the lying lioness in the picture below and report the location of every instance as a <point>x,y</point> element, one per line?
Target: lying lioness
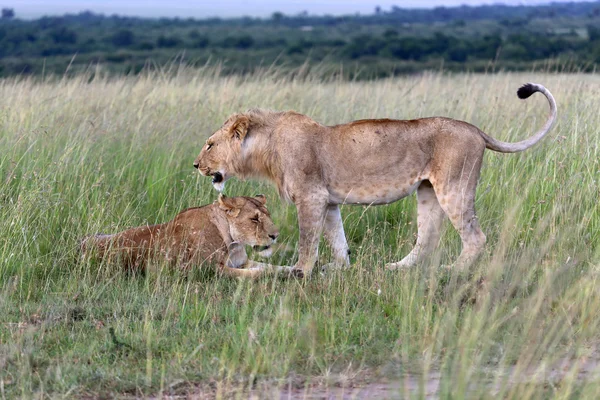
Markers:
<point>364,162</point>
<point>212,234</point>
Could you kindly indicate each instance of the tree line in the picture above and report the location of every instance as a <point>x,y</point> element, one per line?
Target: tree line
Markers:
<point>464,37</point>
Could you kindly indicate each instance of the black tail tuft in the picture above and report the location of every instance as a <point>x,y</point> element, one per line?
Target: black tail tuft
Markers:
<point>526,90</point>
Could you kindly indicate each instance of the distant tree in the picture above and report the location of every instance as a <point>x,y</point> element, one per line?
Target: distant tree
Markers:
<point>458,53</point>
<point>409,48</point>
<point>364,45</point>
<point>18,36</point>
<point>273,42</point>
<point>390,34</point>
<point>335,42</point>
<point>123,38</point>
<point>8,13</point>
<point>516,22</point>
<point>145,46</point>
<point>515,51</point>
<point>88,45</point>
<point>440,42</point>
<point>50,22</point>
<point>244,42</point>
<point>239,42</point>
<point>198,40</point>
<point>593,33</point>
<point>295,49</point>
<point>167,41</point>
<point>377,10</point>
<point>54,51</point>
<point>88,16</point>
<point>277,16</point>
<point>442,13</point>
<point>487,47</point>
<point>63,35</point>
<point>201,42</point>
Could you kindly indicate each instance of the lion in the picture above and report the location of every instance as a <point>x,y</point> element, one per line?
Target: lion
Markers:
<point>211,234</point>
<point>370,162</point>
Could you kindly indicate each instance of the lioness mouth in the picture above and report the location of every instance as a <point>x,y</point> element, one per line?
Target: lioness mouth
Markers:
<point>261,248</point>
<point>217,177</point>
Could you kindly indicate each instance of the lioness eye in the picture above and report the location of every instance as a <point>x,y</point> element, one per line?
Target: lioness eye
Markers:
<point>254,219</point>
<point>209,146</point>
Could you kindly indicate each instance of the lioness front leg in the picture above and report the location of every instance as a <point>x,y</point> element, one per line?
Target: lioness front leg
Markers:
<point>237,264</point>
<point>254,269</point>
<point>333,231</point>
<point>311,216</point>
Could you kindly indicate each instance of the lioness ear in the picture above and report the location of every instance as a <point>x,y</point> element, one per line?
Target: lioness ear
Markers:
<point>261,198</point>
<point>239,129</point>
<point>228,206</point>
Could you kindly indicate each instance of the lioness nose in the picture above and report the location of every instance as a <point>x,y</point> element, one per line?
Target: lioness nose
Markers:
<point>196,164</point>
<point>274,235</point>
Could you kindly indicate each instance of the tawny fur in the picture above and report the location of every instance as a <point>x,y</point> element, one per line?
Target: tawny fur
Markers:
<point>214,234</point>
<point>370,162</point>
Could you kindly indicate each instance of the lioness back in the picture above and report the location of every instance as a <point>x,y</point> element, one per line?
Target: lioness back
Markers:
<point>389,157</point>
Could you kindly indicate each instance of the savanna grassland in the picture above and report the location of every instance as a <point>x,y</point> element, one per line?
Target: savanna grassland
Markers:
<point>80,156</point>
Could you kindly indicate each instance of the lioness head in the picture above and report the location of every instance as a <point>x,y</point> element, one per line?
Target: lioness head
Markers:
<point>220,156</point>
<point>249,221</point>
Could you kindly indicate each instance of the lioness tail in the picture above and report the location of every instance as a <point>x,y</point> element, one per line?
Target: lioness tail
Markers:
<point>93,241</point>
<point>524,92</point>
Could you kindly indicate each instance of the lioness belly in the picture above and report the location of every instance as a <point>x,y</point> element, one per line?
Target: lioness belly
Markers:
<point>371,192</point>
<point>375,161</point>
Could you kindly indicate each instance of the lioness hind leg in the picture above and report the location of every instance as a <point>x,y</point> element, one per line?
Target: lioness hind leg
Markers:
<point>333,230</point>
<point>458,202</point>
<point>473,238</point>
<point>430,217</point>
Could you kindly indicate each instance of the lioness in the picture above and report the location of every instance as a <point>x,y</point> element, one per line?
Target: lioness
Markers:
<point>363,162</point>
<point>214,234</point>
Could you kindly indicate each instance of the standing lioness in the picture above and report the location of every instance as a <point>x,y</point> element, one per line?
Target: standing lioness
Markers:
<point>364,162</point>
<point>213,234</point>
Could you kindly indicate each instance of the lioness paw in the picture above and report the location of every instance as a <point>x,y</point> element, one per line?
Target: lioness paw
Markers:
<point>396,266</point>
<point>266,253</point>
<point>297,273</point>
<point>334,266</point>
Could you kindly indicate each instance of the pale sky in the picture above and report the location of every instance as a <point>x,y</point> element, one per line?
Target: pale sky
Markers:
<point>225,8</point>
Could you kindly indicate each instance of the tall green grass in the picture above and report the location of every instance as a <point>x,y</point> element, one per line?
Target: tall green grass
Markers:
<point>80,156</point>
